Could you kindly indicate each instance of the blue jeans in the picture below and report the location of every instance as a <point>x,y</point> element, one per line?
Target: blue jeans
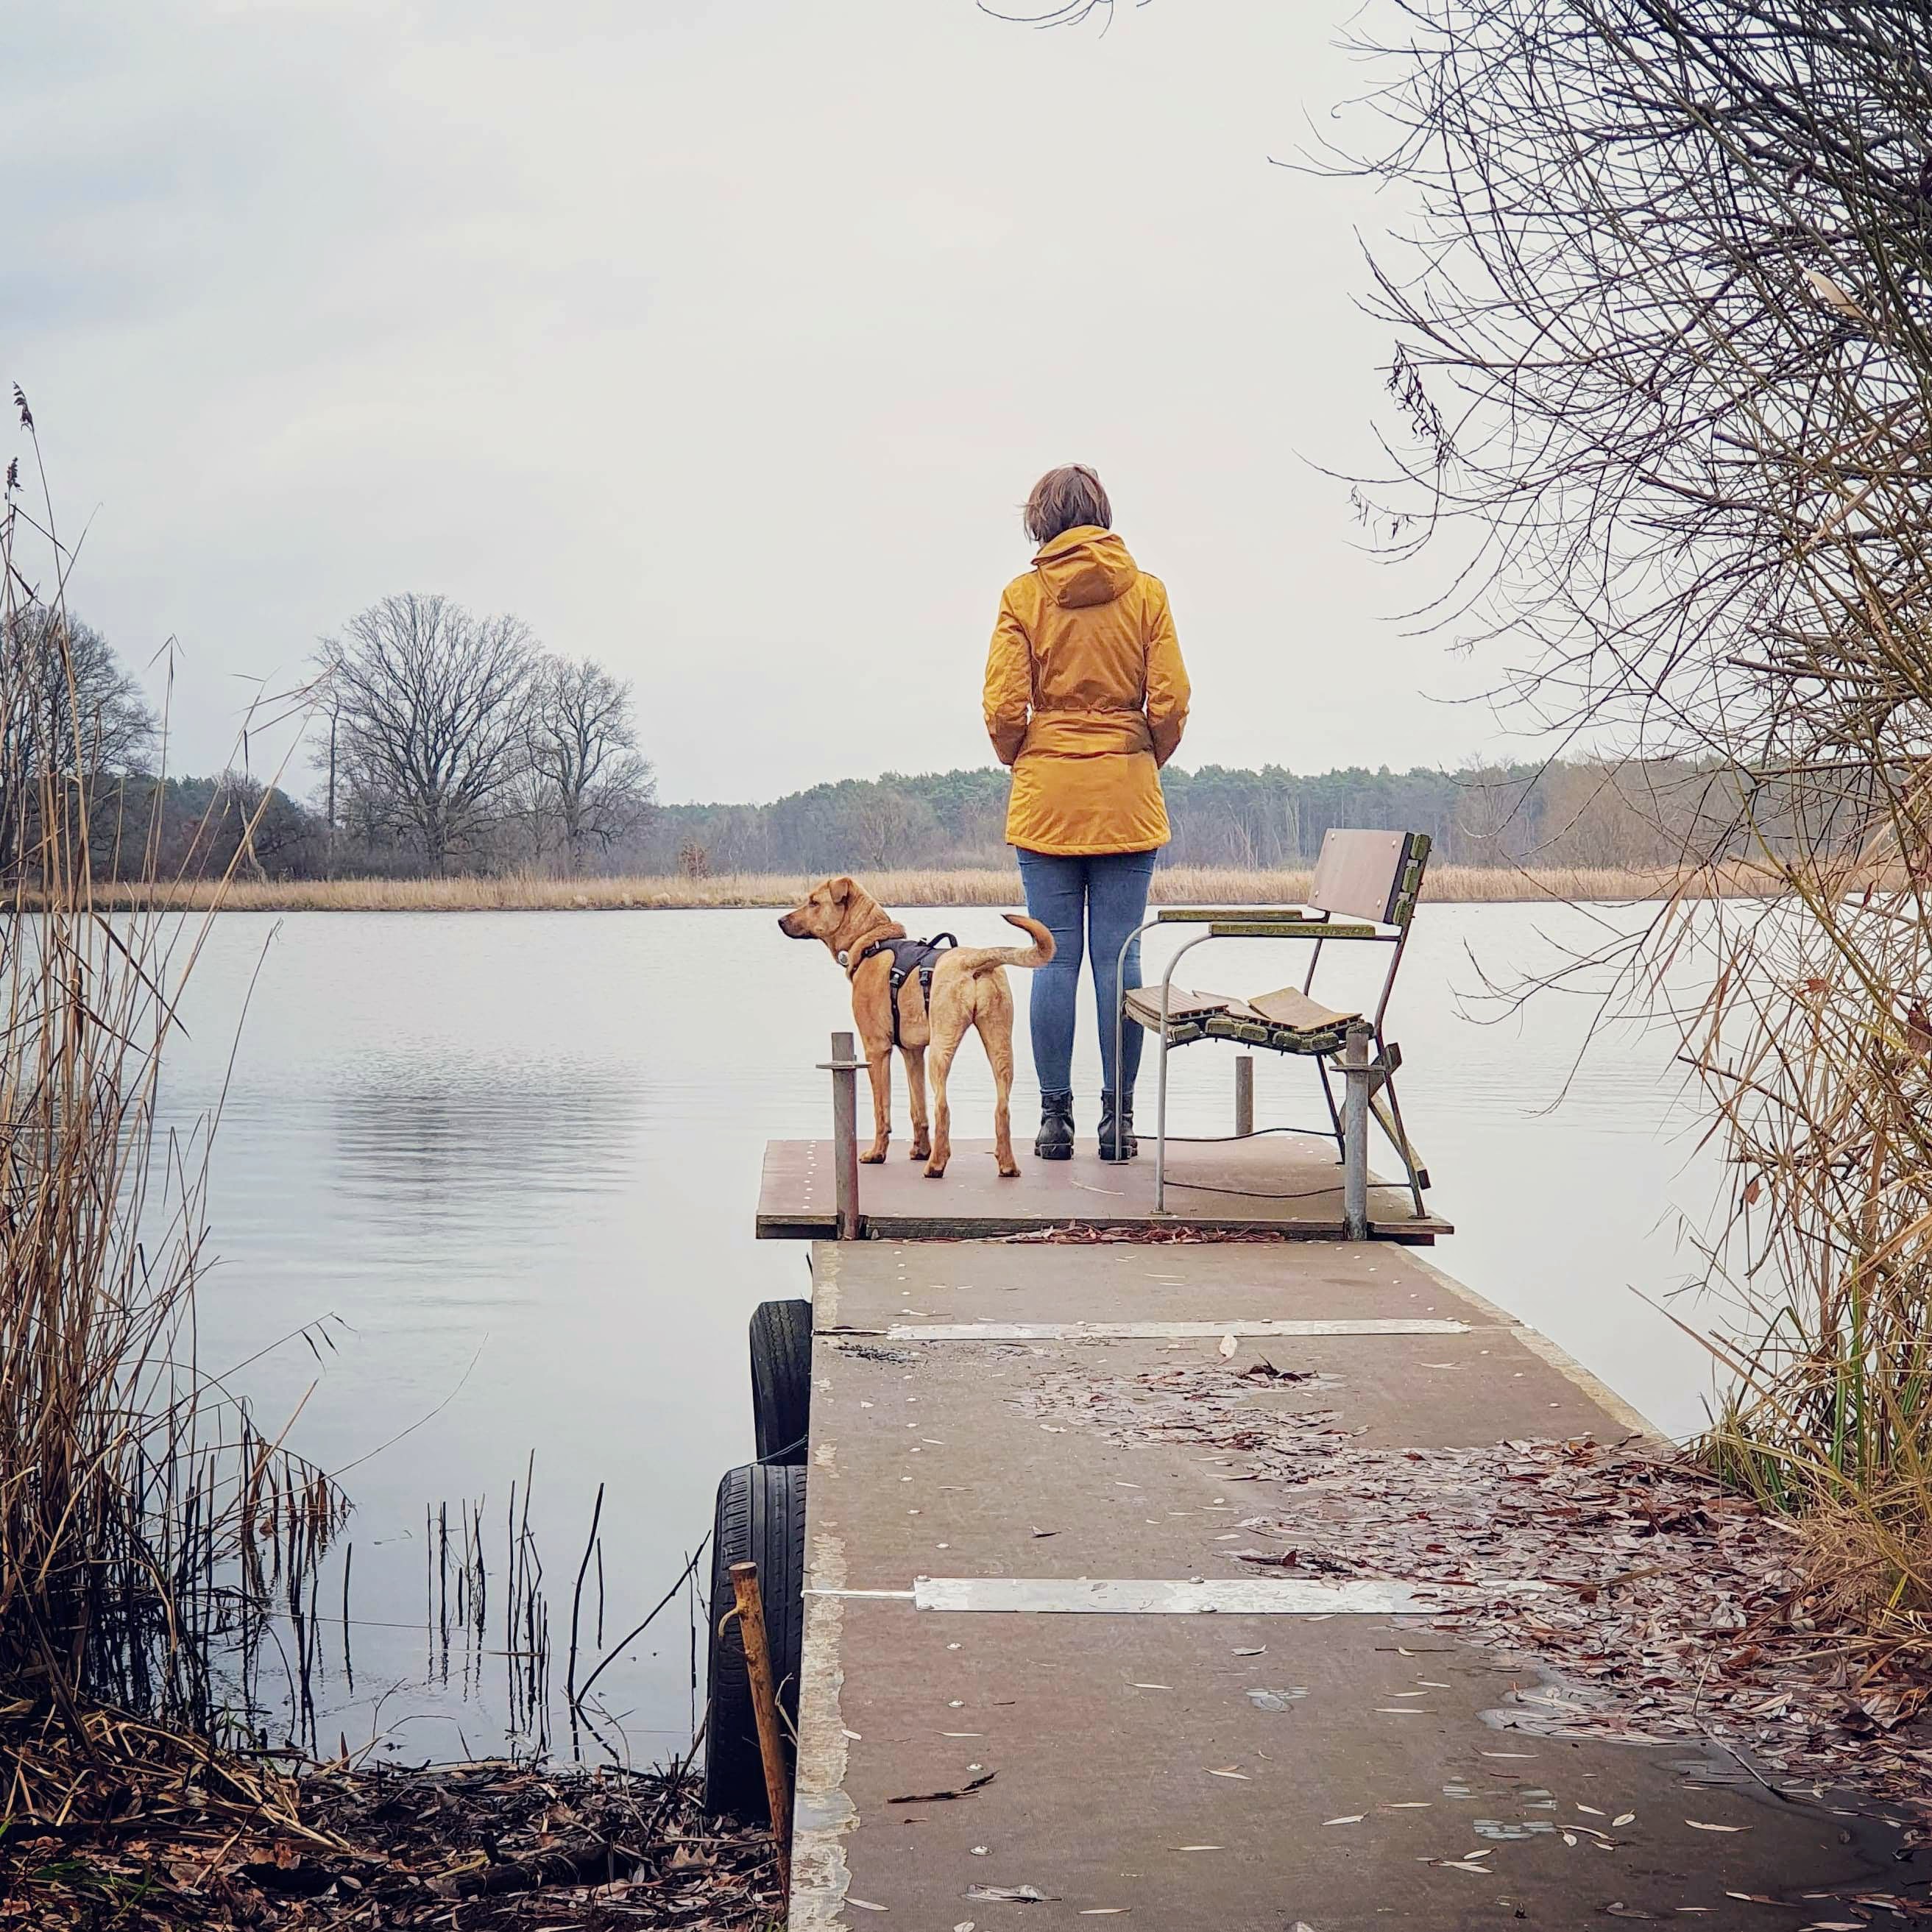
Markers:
<point>1098,901</point>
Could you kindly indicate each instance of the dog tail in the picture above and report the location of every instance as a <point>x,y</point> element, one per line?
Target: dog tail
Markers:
<point>984,958</point>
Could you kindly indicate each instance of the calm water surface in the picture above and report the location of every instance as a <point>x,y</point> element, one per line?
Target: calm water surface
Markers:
<point>502,1168</point>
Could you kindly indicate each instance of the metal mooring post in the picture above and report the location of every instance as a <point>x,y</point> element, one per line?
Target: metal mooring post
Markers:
<point>1244,1095</point>
<point>1357,1074</point>
<point>845,1072</point>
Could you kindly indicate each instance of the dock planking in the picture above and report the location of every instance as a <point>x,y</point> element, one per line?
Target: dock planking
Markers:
<point>1268,1183</point>
<point>1226,1771</point>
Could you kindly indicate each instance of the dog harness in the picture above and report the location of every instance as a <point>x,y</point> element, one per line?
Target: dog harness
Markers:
<point>909,956</point>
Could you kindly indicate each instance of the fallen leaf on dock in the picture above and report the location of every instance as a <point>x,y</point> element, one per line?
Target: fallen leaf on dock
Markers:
<point>1623,1818</point>
<point>1698,1825</point>
<point>1276,1700</point>
<point>1150,1687</point>
<point>1230,1773</point>
<point>1228,1345</point>
<point>1591,1808</point>
<point>1010,1895</point>
<point>1410,1804</point>
<point>939,1797</point>
<point>1103,1911</point>
<point>1197,1848</point>
<point>1353,1818</point>
<point>1256,1650</point>
<point>865,1904</point>
<point>1038,1531</point>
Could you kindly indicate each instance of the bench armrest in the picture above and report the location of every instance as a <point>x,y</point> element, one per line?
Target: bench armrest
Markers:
<point>1289,916</point>
<point>1243,928</point>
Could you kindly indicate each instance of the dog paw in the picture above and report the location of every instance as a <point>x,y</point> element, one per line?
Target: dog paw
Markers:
<point>1009,1173</point>
<point>935,1173</point>
<point>873,1156</point>
<point>920,1152</point>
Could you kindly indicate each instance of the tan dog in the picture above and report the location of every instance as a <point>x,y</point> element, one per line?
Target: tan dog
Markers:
<point>968,990</point>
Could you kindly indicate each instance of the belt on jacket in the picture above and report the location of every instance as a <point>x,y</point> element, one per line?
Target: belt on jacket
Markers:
<point>1067,730</point>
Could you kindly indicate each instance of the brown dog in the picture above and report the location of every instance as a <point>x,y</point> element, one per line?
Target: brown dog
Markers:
<point>968,990</point>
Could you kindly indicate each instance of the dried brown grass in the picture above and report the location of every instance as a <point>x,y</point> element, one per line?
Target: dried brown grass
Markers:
<point>1174,885</point>
<point>142,1516</point>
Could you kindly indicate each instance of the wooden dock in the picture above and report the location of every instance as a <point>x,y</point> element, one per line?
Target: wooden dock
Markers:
<point>1041,1685</point>
<point>1267,1184</point>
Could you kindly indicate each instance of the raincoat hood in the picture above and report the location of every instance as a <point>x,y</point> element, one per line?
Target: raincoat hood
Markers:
<point>1084,566</point>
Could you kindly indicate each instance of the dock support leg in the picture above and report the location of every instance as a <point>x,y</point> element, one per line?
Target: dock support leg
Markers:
<point>845,1134</point>
<point>1357,1075</point>
<point>1244,1095</point>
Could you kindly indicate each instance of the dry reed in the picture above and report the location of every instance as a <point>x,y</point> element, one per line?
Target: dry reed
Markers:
<point>1174,885</point>
<point>146,1526</point>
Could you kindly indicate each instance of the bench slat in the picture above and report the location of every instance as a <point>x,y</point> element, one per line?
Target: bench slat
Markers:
<point>1291,1007</point>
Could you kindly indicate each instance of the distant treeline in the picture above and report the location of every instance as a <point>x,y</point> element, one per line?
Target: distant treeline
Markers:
<point>445,744</point>
<point>1579,813</point>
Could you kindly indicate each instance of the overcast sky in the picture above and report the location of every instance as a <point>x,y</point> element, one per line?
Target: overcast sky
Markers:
<point>720,341</point>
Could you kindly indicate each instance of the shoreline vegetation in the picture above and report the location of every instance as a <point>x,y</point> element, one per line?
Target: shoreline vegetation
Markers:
<point>1173,885</point>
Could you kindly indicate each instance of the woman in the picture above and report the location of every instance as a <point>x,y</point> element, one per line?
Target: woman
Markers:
<point>1085,700</point>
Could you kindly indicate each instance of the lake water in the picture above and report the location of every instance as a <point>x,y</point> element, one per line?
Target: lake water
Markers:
<point>503,1167</point>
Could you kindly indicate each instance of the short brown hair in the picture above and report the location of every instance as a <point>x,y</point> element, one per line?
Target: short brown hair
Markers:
<point>1063,498</point>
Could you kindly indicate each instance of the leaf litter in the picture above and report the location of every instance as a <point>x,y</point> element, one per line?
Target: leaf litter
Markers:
<point>1676,1612</point>
<point>154,1833</point>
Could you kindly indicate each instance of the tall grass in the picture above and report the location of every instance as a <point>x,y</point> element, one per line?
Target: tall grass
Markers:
<point>144,1519</point>
<point>1173,885</point>
<point>1817,1041</point>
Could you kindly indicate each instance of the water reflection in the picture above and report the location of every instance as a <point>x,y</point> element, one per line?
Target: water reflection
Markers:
<point>483,1149</point>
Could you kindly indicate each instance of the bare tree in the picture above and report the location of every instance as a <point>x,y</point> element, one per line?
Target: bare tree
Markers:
<point>583,749</point>
<point>70,705</point>
<point>1664,349</point>
<point>432,708</point>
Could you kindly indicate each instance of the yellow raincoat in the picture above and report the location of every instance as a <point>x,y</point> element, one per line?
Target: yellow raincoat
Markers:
<point>1086,697</point>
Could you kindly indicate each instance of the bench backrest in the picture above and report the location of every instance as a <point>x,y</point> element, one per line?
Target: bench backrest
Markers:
<point>1374,875</point>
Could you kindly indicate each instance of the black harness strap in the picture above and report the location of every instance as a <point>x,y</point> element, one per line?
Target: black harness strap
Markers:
<point>909,956</point>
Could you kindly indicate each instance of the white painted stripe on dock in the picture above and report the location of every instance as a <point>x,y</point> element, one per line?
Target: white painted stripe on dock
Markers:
<point>1239,1596</point>
<point>1105,1331</point>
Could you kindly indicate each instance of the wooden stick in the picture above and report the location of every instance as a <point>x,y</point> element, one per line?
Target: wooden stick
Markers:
<point>1244,1094</point>
<point>764,1707</point>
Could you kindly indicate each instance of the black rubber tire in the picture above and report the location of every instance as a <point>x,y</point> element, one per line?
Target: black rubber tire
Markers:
<point>760,1519</point>
<point>781,1379</point>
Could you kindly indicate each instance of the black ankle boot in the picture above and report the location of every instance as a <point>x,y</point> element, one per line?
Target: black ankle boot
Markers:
<point>1117,1143</point>
<point>1054,1141</point>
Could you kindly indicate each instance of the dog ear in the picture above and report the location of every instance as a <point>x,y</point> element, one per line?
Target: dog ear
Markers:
<point>841,889</point>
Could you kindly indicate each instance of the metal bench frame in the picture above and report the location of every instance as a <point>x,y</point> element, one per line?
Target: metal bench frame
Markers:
<point>1367,1060</point>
